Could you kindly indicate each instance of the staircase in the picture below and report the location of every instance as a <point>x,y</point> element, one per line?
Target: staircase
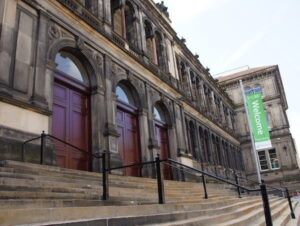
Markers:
<point>33,194</point>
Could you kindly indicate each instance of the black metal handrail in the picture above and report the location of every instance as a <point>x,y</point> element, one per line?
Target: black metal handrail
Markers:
<point>160,185</point>
<point>255,182</point>
<point>263,190</point>
<point>42,148</point>
<point>159,178</point>
<point>212,176</point>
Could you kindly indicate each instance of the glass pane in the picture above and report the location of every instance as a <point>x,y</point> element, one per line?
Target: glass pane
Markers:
<point>159,114</point>
<point>248,90</point>
<point>273,159</point>
<point>156,114</point>
<point>69,65</point>
<point>122,95</point>
<point>263,160</point>
<point>257,89</point>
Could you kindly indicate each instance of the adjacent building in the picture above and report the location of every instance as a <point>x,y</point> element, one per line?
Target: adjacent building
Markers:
<point>277,164</point>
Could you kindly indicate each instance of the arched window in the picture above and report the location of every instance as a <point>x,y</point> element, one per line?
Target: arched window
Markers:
<point>159,114</point>
<point>206,140</point>
<point>193,139</point>
<point>70,65</point>
<point>150,42</point>
<point>203,156</point>
<point>218,152</point>
<point>125,95</point>
<point>117,16</point>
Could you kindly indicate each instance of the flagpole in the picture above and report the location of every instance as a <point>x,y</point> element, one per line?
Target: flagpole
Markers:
<point>254,152</point>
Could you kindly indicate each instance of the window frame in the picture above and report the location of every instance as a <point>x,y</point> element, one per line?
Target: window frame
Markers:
<point>268,159</point>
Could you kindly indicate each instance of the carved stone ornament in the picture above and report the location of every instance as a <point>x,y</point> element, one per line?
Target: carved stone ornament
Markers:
<point>53,32</point>
<point>80,43</point>
<point>130,77</point>
<point>98,59</point>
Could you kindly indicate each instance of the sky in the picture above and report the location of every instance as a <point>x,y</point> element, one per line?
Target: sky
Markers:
<point>229,34</point>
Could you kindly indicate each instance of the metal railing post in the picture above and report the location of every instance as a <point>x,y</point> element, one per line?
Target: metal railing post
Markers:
<point>105,192</point>
<point>238,188</point>
<point>290,203</point>
<point>204,187</point>
<point>42,147</point>
<point>160,183</point>
<point>266,204</point>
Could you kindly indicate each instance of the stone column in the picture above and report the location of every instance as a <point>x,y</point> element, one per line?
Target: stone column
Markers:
<point>100,9</point>
<point>107,16</point>
<point>146,154</point>
<point>97,125</point>
<point>164,54</point>
<point>38,97</point>
<point>8,30</point>
<point>139,30</point>
<point>111,132</point>
<point>143,41</point>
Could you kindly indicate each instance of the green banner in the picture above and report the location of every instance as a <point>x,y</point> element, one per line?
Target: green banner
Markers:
<point>258,119</point>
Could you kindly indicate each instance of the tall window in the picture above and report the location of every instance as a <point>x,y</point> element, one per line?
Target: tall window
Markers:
<point>117,16</point>
<point>268,160</point>
<point>150,42</point>
<point>123,21</point>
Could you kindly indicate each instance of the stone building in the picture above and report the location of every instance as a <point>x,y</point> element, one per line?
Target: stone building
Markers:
<point>278,164</point>
<point>109,75</point>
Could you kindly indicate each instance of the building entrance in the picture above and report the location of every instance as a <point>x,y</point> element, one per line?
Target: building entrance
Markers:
<point>71,115</point>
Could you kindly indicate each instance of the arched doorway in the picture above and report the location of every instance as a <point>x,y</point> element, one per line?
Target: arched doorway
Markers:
<point>128,129</point>
<point>161,129</point>
<point>71,111</point>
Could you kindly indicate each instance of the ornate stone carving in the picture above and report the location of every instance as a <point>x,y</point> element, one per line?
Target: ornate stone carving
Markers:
<point>80,43</point>
<point>98,59</point>
<point>53,32</point>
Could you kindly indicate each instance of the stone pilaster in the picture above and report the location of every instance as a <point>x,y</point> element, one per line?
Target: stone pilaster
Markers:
<point>38,97</point>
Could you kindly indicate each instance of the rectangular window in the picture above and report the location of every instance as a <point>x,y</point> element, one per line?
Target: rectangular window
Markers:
<point>273,159</point>
<point>268,160</point>
<point>263,160</point>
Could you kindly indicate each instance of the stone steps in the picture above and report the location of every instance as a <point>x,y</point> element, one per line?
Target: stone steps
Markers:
<point>47,195</point>
<point>116,213</point>
<point>38,170</point>
<point>235,216</point>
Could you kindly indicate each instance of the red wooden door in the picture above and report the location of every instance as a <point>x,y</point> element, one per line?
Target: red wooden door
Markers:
<point>70,123</point>
<point>128,141</point>
<point>163,142</point>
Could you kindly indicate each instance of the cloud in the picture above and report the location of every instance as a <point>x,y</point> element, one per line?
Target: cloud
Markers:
<point>243,49</point>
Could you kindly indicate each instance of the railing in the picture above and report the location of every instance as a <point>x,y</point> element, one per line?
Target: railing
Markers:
<point>160,183</point>
<point>284,193</point>
<point>263,189</point>
<point>159,178</point>
<point>43,136</point>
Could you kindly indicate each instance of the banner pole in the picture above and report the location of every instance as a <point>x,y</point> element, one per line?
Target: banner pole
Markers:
<point>251,135</point>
